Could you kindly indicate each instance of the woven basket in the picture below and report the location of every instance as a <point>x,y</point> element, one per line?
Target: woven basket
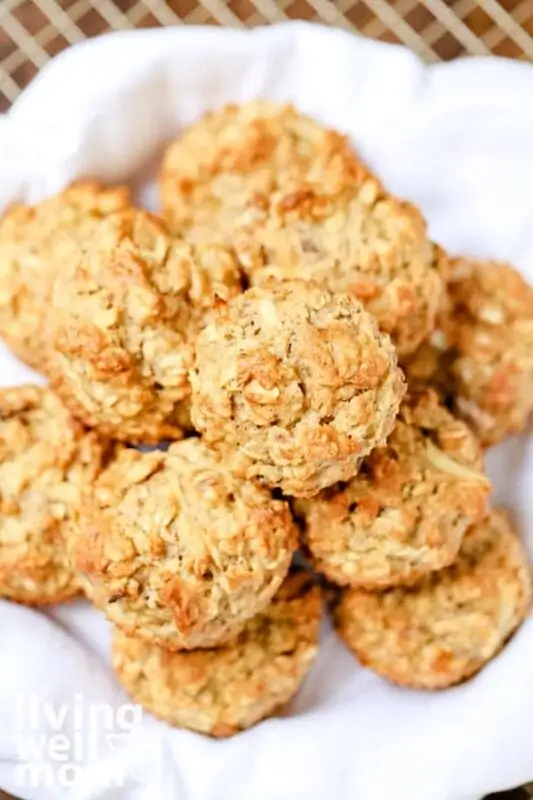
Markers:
<point>31,31</point>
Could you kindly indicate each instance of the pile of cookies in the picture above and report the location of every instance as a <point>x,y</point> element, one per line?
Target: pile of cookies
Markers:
<point>283,361</point>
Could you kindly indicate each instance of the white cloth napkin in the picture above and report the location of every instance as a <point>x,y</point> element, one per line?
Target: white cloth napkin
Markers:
<point>457,139</point>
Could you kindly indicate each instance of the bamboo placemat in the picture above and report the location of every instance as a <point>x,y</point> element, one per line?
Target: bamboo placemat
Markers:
<point>32,31</point>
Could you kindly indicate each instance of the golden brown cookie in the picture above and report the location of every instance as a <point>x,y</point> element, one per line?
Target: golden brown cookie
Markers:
<point>46,459</point>
<point>176,550</point>
<point>228,689</point>
<point>480,356</point>
<point>300,383</point>
<point>429,366</point>
<point>449,626</point>
<point>124,325</point>
<point>297,203</point>
<point>405,513</point>
<point>492,370</point>
<point>36,243</point>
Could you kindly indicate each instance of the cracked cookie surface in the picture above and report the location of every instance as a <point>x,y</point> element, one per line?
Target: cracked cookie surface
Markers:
<point>480,356</point>
<point>297,383</point>
<point>46,460</point>
<point>492,370</point>
<point>36,244</point>
<point>297,203</point>
<point>405,513</point>
<point>124,325</point>
<point>449,626</point>
<point>176,550</point>
<point>228,689</point>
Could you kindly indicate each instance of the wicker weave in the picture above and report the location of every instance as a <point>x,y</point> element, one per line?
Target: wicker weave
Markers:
<point>31,31</point>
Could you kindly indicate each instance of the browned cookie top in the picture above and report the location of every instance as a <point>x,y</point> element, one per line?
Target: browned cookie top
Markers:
<point>46,461</point>
<point>124,324</point>
<point>300,383</point>
<point>446,628</point>
<point>178,551</point>
<point>36,245</point>
<point>227,689</point>
<point>480,357</point>
<point>297,203</point>
<point>405,513</point>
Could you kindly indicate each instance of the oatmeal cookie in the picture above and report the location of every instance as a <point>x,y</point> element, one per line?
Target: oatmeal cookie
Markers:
<point>176,550</point>
<point>297,203</point>
<point>492,369</point>
<point>46,458</point>
<point>429,366</point>
<point>405,513</point>
<point>480,356</point>
<point>449,626</point>
<point>228,689</point>
<point>300,383</point>
<point>124,325</point>
<point>35,245</point>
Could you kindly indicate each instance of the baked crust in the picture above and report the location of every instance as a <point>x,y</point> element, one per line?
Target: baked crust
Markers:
<point>176,550</point>
<point>124,325</point>
<point>449,626</point>
<point>480,357</point>
<point>492,371</point>
<point>297,203</point>
<point>228,689</point>
<point>405,513</point>
<point>36,243</point>
<point>297,383</point>
<point>46,460</point>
